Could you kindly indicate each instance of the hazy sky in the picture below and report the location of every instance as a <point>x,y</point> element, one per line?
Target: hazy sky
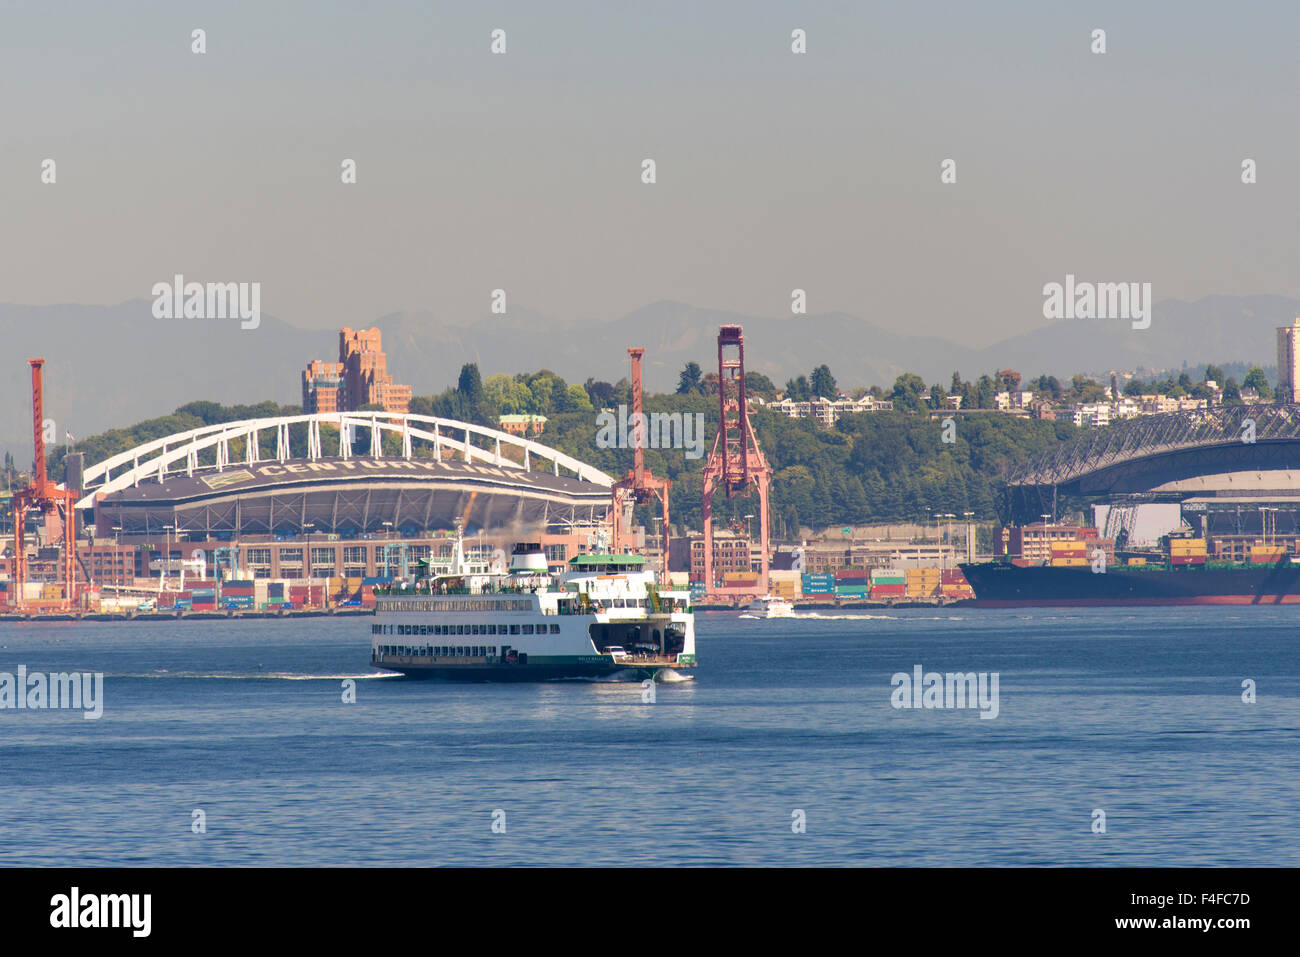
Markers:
<point>775,171</point>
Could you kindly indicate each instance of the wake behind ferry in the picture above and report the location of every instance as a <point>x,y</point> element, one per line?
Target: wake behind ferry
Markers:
<point>602,616</point>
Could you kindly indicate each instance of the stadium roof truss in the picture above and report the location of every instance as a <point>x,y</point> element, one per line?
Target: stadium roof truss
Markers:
<point>180,453</point>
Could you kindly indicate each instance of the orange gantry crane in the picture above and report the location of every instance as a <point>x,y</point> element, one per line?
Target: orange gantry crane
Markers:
<point>640,485</point>
<point>736,461</point>
<point>56,503</point>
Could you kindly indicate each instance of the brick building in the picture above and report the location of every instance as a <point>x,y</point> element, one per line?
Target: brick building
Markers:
<point>358,379</point>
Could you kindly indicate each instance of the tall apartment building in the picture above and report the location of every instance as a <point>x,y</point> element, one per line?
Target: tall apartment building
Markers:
<point>359,378</point>
<point>1288,363</point>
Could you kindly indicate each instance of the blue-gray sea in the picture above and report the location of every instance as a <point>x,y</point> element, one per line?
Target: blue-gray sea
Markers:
<point>1137,714</point>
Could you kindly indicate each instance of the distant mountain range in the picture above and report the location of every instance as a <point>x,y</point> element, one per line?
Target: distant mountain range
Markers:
<point>111,366</point>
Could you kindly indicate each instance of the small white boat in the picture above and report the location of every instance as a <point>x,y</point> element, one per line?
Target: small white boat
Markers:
<point>769,606</point>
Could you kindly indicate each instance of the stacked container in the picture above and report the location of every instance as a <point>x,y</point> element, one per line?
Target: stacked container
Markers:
<point>1187,551</point>
<point>307,596</point>
<point>820,584</point>
<point>922,582</point>
<point>953,585</point>
<point>1072,553</point>
<point>1265,554</point>
<point>739,580</point>
<point>888,584</point>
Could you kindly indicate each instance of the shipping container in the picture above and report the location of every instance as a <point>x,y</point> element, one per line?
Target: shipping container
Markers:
<point>1187,559</point>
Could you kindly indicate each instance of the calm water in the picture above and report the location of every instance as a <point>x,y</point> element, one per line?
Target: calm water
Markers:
<point>1136,713</point>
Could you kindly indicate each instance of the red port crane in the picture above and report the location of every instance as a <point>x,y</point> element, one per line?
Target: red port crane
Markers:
<point>56,503</point>
<point>640,485</point>
<point>736,461</point>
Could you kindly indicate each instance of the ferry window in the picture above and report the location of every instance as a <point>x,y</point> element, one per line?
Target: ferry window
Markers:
<point>491,629</point>
<point>503,628</point>
<point>555,629</point>
<point>514,629</point>
<point>460,629</point>
<point>476,628</point>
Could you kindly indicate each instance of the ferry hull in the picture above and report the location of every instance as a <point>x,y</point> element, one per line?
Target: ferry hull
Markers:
<point>540,671</point>
<point>999,585</point>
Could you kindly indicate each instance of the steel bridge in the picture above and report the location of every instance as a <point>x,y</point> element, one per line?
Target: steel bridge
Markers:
<point>1230,450</point>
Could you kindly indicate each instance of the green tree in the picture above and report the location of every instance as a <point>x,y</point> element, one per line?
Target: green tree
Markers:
<point>600,393</point>
<point>908,389</point>
<point>1255,379</point>
<point>506,395</point>
<point>469,390</point>
<point>689,380</point>
<point>822,382</point>
<point>798,389</point>
<point>758,384</point>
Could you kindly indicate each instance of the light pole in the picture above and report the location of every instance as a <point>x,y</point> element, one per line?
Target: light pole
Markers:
<point>970,557</point>
<point>307,567</point>
<point>167,557</point>
<point>117,559</point>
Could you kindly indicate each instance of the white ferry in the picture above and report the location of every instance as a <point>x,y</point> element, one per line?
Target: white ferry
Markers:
<point>604,615</point>
<point>769,606</point>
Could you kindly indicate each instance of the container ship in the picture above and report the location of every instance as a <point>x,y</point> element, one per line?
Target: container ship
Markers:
<point>1180,575</point>
<point>603,616</point>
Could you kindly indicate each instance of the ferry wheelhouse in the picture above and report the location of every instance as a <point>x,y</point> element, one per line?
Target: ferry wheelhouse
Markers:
<point>604,615</point>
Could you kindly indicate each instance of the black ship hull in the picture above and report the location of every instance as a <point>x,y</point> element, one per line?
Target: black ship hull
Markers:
<point>1001,585</point>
